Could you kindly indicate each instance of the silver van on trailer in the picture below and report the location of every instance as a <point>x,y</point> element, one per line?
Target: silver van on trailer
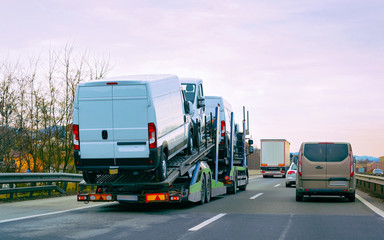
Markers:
<point>131,124</point>
<point>211,103</point>
<point>193,90</point>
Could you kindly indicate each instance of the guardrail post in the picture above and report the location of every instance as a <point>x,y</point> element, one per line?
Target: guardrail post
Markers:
<point>31,192</point>
<point>49,191</point>
<point>11,194</point>
<point>65,186</point>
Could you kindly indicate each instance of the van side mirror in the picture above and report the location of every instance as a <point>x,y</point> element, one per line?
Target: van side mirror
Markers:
<point>200,102</point>
<point>250,141</point>
<point>250,149</point>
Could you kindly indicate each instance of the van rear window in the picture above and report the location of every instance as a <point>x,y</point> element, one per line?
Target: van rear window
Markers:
<point>337,152</point>
<point>315,152</point>
<point>326,152</point>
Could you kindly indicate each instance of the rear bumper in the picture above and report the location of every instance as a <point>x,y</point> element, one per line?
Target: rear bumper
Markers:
<point>104,164</point>
<point>325,191</point>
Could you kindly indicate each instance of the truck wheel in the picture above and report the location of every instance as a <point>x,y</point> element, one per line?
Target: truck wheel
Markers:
<point>203,190</point>
<point>89,177</point>
<point>197,138</point>
<point>208,190</point>
<point>299,197</point>
<point>189,149</point>
<point>233,189</point>
<point>243,188</point>
<point>162,170</point>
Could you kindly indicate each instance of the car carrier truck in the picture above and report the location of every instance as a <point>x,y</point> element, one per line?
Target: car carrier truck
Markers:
<point>274,157</point>
<point>194,178</point>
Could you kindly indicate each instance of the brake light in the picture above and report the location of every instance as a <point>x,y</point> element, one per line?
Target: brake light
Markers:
<point>300,170</point>
<point>76,141</point>
<point>352,170</point>
<point>152,135</point>
<point>222,128</point>
<point>291,172</point>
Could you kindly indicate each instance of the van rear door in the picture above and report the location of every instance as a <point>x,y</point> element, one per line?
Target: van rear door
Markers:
<point>338,165</point>
<point>130,121</point>
<point>314,166</point>
<point>95,117</point>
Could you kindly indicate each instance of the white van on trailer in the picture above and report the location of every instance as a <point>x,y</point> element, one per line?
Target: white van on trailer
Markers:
<point>130,124</point>
<point>225,120</point>
<point>193,90</point>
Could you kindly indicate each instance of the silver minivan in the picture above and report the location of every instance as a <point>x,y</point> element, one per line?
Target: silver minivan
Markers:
<point>326,168</point>
<point>129,125</point>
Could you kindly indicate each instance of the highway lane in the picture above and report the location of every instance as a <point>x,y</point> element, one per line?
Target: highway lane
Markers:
<point>273,214</point>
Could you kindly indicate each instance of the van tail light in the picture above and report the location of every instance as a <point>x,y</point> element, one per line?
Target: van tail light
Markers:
<point>152,135</point>
<point>352,169</point>
<point>76,141</point>
<point>222,128</point>
<point>300,167</point>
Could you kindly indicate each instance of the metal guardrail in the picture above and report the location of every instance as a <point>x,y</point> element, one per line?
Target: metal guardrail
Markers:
<point>16,178</point>
<point>371,183</point>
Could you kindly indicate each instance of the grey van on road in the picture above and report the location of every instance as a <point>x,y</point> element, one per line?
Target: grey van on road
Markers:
<point>326,168</point>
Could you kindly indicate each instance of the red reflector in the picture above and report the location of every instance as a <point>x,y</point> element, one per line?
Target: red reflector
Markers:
<point>306,190</point>
<point>345,190</point>
<point>262,171</point>
<point>226,178</point>
<point>112,83</point>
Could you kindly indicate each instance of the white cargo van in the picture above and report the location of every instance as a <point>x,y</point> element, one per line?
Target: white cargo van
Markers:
<point>193,90</point>
<point>211,102</point>
<point>130,124</point>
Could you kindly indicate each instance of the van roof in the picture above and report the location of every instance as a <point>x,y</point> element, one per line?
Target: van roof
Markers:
<point>324,142</point>
<point>132,79</point>
<point>191,80</point>
<point>273,140</point>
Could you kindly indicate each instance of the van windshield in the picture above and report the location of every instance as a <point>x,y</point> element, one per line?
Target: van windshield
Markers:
<point>189,91</point>
<point>326,152</point>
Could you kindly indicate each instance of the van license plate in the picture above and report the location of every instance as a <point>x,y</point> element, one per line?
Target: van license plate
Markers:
<point>113,171</point>
<point>338,183</point>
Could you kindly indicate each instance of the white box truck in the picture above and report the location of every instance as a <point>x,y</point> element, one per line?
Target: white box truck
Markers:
<point>274,157</point>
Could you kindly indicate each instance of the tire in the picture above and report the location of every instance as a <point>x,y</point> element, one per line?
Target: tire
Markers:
<point>351,197</point>
<point>89,177</point>
<point>189,149</point>
<point>203,190</point>
<point>233,189</point>
<point>162,169</point>
<point>197,138</point>
<point>287,184</point>
<point>208,192</point>
<point>299,197</point>
<point>243,188</point>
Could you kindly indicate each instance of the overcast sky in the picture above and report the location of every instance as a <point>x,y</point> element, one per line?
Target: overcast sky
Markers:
<point>306,70</point>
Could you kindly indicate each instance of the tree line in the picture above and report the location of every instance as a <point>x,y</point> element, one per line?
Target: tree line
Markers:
<point>36,100</point>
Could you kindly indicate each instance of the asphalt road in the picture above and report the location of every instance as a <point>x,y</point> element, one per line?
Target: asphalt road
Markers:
<point>267,210</point>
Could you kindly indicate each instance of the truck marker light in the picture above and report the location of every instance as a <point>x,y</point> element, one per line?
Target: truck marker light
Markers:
<point>306,190</point>
<point>152,135</point>
<point>76,140</point>
<point>99,190</point>
<point>112,83</point>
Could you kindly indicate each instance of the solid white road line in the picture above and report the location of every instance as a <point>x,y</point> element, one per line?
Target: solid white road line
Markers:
<point>51,213</point>
<point>205,223</point>
<point>368,204</point>
<point>277,185</point>
<point>257,195</point>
